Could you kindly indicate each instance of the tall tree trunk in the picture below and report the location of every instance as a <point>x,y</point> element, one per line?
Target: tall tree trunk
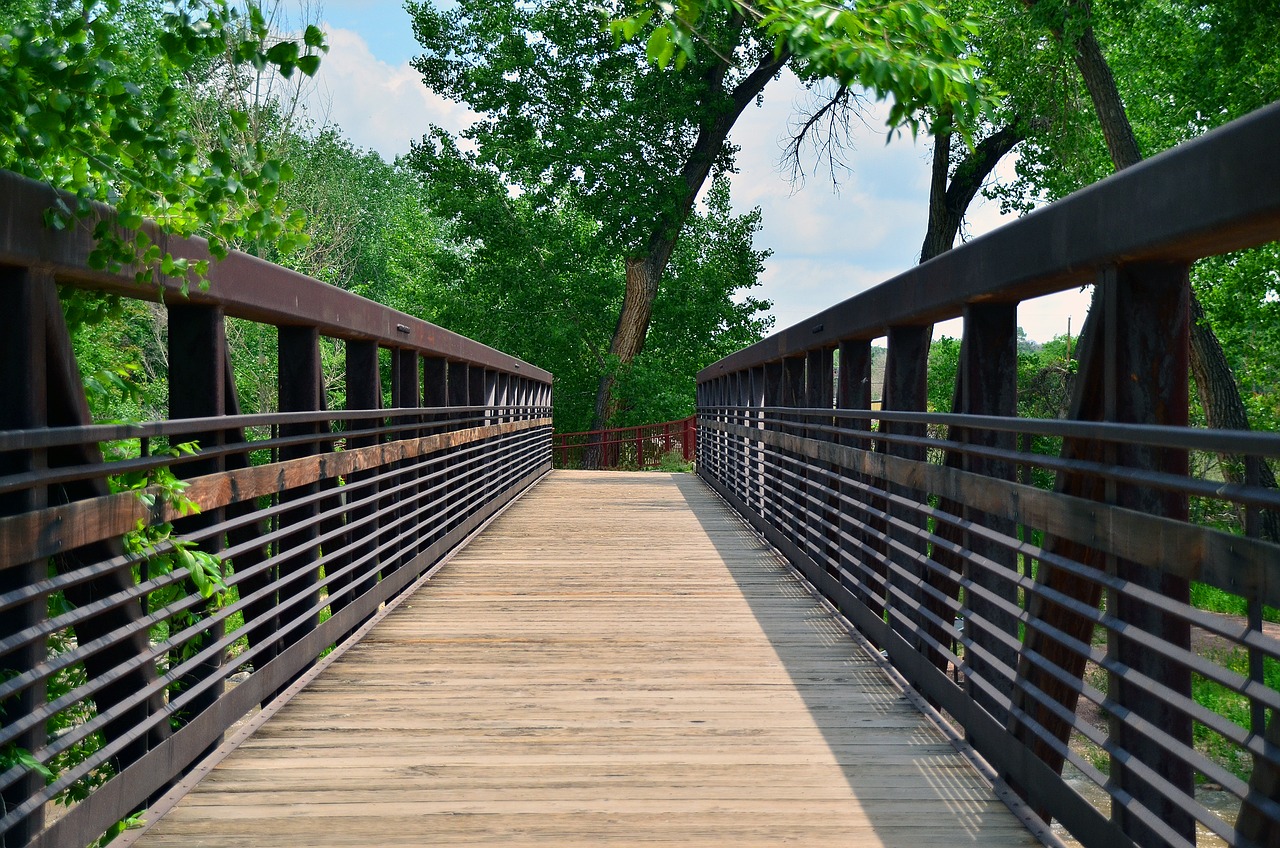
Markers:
<point>644,270</point>
<point>949,199</point>
<point>643,275</point>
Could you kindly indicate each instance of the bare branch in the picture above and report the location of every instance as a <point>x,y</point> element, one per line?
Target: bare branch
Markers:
<point>826,127</point>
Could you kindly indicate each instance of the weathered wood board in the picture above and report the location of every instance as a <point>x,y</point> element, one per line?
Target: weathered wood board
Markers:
<point>616,660</point>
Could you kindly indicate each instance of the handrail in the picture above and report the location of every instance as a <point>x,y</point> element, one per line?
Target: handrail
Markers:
<point>242,286</point>
<point>1014,569</point>
<point>113,635</point>
<point>639,447</point>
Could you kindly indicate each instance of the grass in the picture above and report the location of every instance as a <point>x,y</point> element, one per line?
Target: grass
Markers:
<point>1230,705</point>
<point>1213,599</point>
<point>674,462</point>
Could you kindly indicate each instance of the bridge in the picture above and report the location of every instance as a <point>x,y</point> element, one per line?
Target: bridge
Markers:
<point>394,623</point>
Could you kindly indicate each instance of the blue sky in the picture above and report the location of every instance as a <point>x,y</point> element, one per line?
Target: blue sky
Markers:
<point>827,246</point>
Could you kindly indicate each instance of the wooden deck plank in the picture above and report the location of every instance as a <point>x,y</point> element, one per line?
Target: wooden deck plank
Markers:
<point>616,660</point>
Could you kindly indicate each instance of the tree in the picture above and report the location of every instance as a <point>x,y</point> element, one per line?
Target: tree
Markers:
<point>538,279</point>
<point>565,108</point>
<point>83,111</point>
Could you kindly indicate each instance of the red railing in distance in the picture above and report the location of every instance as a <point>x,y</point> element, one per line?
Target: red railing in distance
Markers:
<point>627,448</point>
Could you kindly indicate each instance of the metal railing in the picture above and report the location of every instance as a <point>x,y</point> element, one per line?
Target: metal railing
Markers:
<point>117,632</point>
<point>636,448</point>
<point>1014,606</point>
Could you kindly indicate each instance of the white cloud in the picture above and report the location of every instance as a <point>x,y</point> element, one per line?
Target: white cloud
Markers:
<point>377,104</point>
<point>829,247</point>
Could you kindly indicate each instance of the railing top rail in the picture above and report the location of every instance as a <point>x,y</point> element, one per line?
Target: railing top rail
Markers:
<point>242,285</point>
<point>1184,204</point>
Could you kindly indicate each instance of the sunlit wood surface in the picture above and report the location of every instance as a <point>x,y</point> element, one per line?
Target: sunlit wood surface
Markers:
<point>617,660</point>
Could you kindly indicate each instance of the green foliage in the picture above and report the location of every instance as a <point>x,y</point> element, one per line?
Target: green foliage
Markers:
<point>1213,599</point>
<point>157,544</point>
<point>1240,293</point>
<point>944,363</point>
<point>701,315</point>
<point>563,111</point>
<point>541,281</point>
<point>673,462</point>
<point>14,757</point>
<point>121,351</point>
<point>118,828</point>
<point>1231,705</point>
<point>906,51</point>
<point>89,106</point>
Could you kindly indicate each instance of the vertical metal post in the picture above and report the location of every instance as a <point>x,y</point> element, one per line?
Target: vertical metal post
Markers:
<point>770,457</point>
<point>435,394</point>
<point>197,389</point>
<point>23,406</point>
<point>819,394</point>
<point>853,391</point>
<point>755,491</point>
<point>988,385</point>
<point>299,388</point>
<point>409,396</point>
<point>461,481</point>
<point>364,391</point>
<point>792,398</point>
<point>906,390</point>
<point>1149,373</point>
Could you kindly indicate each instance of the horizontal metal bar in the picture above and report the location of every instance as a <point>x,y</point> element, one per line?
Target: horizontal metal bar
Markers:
<point>1228,562</point>
<point>142,778</point>
<point>83,434</point>
<point>23,537</point>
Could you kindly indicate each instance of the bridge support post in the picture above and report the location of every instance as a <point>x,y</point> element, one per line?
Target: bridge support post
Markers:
<point>821,506</point>
<point>481,388</point>
<point>23,406</point>
<point>435,395</point>
<point>755,455</point>
<point>364,391</point>
<point>987,384</point>
<point>406,390</point>
<point>770,457</point>
<point>906,390</point>
<point>461,386</point>
<point>299,391</point>
<point>793,466</point>
<point>741,452</point>
<point>197,389</point>
<point>853,391</point>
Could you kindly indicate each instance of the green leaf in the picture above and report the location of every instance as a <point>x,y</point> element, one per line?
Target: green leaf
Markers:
<point>284,52</point>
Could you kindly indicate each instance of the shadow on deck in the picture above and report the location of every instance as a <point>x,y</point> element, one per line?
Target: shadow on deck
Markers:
<point>616,659</point>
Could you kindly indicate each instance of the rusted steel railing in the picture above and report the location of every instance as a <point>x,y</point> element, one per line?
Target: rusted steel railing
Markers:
<point>1009,605</point>
<point>638,448</point>
<point>315,523</point>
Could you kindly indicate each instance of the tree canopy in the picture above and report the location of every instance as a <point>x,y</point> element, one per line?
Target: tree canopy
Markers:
<point>89,105</point>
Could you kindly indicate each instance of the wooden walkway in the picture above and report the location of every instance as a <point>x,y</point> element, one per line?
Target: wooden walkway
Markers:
<point>616,660</point>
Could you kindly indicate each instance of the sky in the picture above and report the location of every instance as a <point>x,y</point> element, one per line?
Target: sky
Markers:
<point>827,245</point>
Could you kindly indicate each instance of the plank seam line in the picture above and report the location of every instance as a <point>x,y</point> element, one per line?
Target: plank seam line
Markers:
<point>1020,809</point>
<point>169,800</point>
